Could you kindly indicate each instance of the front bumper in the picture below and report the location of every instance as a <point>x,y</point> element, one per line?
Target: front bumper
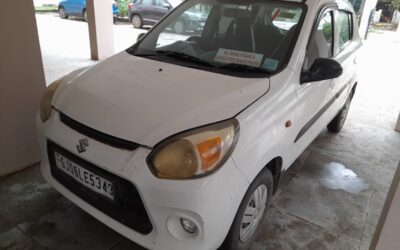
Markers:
<point>210,202</point>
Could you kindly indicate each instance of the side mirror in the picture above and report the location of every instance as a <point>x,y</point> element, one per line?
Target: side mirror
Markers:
<point>166,6</point>
<point>322,69</point>
<point>140,36</point>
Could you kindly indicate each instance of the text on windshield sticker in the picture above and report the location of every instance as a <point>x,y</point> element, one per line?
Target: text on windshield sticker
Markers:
<point>238,57</point>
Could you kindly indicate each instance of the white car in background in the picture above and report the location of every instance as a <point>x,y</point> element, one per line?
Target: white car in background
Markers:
<point>179,142</point>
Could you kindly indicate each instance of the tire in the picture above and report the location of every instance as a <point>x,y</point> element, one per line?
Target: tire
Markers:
<point>61,13</point>
<point>338,121</point>
<point>137,22</point>
<point>240,238</point>
<point>85,17</point>
<point>179,27</point>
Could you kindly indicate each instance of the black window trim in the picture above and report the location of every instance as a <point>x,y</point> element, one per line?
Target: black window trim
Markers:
<point>333,31</point>
<point>323,9</point>
<point>351,28</point>
<point>342,53</point>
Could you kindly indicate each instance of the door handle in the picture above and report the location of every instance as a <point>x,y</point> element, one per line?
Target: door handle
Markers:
<point>332,84</point>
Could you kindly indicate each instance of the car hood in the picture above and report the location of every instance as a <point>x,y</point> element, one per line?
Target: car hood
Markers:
<point>146,101</point>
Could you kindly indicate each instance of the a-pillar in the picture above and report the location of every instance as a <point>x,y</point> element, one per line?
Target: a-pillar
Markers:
<point>100,22</point>
<point>22,83</point>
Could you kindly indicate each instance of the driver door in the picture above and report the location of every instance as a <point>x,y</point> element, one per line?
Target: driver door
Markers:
<point>161,8</point>
<point>77,6</point>
<point>314,97</point>
<point>146,10</point>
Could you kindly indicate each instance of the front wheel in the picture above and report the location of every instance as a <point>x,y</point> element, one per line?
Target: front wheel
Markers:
<point>251,213</point>
<point>85,17</point>
<point>137,22</point>
<point>338,121</point>
<point>179,27</point>
<point>61,13</point>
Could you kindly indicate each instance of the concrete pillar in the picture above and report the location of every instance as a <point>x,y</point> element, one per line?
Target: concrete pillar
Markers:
<point>22,83</point>
<point>398,29</point>
<point>365,11</point>
<point>100,19</point>
<point>397,128</point>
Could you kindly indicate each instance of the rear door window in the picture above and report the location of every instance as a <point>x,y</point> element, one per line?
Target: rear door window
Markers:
<point>160,3</point>
<point>344,26</point>
<point>147,2</point>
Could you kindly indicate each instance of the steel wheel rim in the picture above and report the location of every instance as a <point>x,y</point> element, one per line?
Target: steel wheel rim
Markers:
<point>136,21</point>
<point>345,111</point>
<point>61,12</point>
<point>85,15</point>
<point>178,27</point>
<point>253,213</point>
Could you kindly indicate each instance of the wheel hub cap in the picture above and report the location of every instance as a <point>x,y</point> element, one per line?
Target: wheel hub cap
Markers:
<point>253,213</point>
<point>136,21</point>
<point>178,27</point>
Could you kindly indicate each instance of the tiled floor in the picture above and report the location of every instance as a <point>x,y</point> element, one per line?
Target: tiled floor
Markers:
<point>330,199</point>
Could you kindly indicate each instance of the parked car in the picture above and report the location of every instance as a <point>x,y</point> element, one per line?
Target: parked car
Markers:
<point>180,141</point>
<point>77,8</point>
<point>147,12</point>
<point>189,21</point>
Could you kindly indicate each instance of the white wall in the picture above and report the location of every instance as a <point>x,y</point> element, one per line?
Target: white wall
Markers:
<point>100,24</point>
<point>396,17</point>
<point>377,16</point>
<point>389,239</point>
<point>21,85</point>
<point>386,236</point>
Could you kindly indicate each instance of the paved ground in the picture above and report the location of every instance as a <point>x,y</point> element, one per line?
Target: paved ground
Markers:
<point>331,198</point>
<point>65,43</point>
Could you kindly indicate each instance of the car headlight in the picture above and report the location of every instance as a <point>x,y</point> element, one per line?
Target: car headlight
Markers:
<point>45,103</point>
<point>195,153</point>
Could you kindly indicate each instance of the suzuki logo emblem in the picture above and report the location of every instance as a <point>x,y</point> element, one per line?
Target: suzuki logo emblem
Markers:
<point>83,143</point>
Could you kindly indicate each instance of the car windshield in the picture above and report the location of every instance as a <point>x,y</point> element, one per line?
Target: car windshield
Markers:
<point>251,36</point>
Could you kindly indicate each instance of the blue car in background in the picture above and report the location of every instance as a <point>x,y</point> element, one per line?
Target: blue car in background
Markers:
<point>68,8</point>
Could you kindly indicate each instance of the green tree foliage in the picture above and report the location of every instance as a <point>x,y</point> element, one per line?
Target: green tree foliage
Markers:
<point>123,7</point>
<point>394,3</point>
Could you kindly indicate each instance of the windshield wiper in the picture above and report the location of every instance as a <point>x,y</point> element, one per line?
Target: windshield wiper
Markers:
<point>196,60</point>
<point>184,56</point>
<point>243,67</point>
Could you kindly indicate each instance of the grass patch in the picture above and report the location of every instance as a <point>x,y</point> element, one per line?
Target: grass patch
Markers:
<point>46,8</point>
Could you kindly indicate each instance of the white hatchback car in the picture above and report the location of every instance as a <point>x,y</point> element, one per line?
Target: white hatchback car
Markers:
<point>180,141</point>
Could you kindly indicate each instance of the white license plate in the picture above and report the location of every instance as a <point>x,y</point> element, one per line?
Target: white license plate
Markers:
<point>85,177</point>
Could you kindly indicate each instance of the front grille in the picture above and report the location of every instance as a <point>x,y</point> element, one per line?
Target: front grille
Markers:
<point>97,135</point>
<point>127,208</point>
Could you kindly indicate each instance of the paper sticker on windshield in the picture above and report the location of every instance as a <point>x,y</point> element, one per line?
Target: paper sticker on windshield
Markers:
<point>238,57</point>
<point>270,64</point>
